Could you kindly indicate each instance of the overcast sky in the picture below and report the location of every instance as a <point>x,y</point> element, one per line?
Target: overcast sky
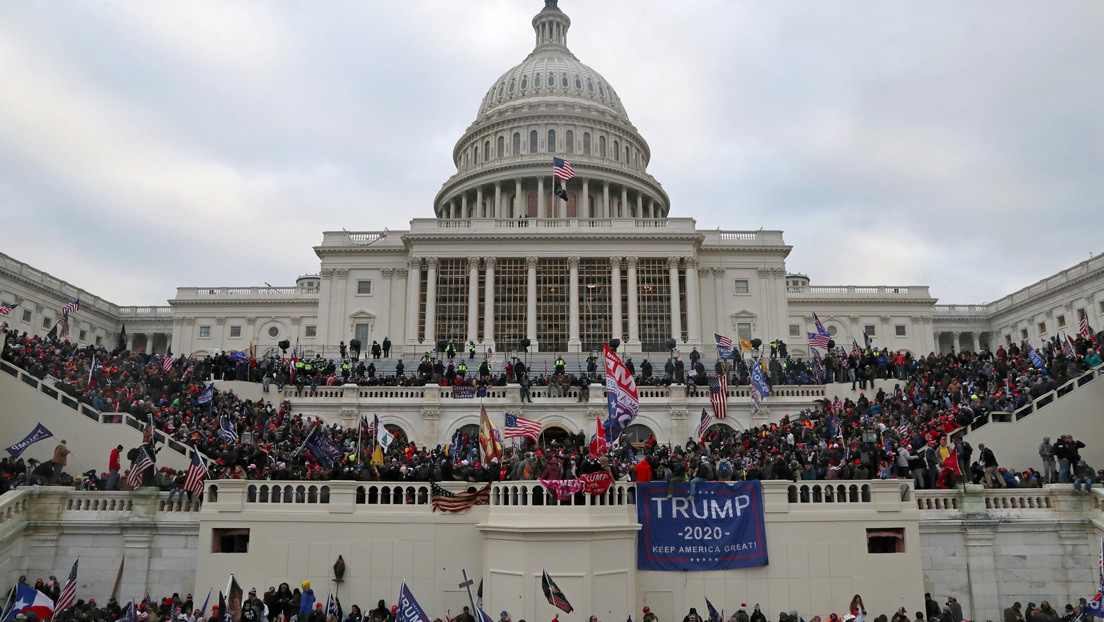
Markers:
<point>150,145</point>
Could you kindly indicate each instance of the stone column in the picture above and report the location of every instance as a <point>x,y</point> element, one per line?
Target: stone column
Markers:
<point>542,204</point>
<point>605,200</point>
<point>718,301</point>
<point>574,344</point>
<point>981,568</point>
<point>651,209</point>
<point>473,298</point>
<point>431,301</point>
<point>386,274</point>
<point>634,303</point>
<point>521,208</point>
<point>957,346</point>
<point>478,203</point>
<point>488,303</point>
<point>498,211</point>
<point>585,208</point>
<point>615,298</point>
<point>693,302</point>
<point>676,317</point>
<point>464,205</point>
<point>639,205</point>
<point>531,303</point>
<point>413,281</point>
<point>625,211</point>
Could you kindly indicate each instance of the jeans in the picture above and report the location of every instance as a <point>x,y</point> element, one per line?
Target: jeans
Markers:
<point>1049,475</point>
<point>1064,471</point>
<point>112,480</point>
<point>1087,481</point>
<point>694,486</point>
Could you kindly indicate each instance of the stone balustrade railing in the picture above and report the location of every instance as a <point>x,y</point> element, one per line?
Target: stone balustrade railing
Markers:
<point>513,392</point>
<point>975,499</point>
<point>1040,402</point>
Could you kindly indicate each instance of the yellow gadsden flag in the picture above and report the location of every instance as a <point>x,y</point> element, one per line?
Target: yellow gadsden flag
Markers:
<point>745,344</point>
<point>489,438</point>
<point>377,456</point>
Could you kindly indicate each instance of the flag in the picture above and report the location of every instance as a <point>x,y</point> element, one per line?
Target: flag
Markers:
<point>64,325</point>
<point>377,457</point>
<point>489,439</point>
<point>1067,347</point>
<point>560,191</point>
<point>1082,327</point>
<point>37,434</point>
<point>226,430</point>
<point>1036,360</point>
<point>552,592</point>
<point>818,340</point>
<point>482,615</point>
<point>69,592</point>
<point>147,433</point>
<point>384,437</point>
<point>561,169</point>
<point>759,388</point>
<point>234,596</point>
<point>951,461</point>
<point>71,307</point>
<point>409,610</point>
<point>867,340</point>
<point>322,448</point>
<point>333,606</point>
<point>520,427</point>
<point>490,354</point>
<point>445,501</point>
<point>207,395</point>
<point>479,593</point>
<point>53,334</point>
<point>818,367</point>
<point>30,600</point>
<point>167,360</point>
<point>706,421</point>
<point>134,478</point>
<point>122,338</point>
<point>724,347</point>
<point>221,609</point>
<point>5,309</point>
<point>368,427</point>
<point>197,474</point>
<point>718,396</point>
<point>622,398</point>
<point>855,349</point>
<point>820,331</point>
<point>598,444</point>
<point>203,612</point>
<point>745,344</point>
<point>714,616</point>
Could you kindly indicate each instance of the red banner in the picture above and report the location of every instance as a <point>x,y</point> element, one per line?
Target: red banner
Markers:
<point>596,483</point>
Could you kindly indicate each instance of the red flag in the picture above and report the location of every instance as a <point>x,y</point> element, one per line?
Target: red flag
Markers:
<point>598,444</point>
<point>951,462</point>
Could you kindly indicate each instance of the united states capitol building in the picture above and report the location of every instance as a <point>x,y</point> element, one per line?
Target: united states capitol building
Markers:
<point>506,262</point>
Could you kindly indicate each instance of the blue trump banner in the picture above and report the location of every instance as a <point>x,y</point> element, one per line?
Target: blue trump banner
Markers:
<point>37,434</point>
<point>721,528</point>
<point>409,609</point>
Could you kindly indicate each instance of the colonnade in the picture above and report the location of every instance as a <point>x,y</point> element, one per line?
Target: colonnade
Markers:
<point>505,199</point>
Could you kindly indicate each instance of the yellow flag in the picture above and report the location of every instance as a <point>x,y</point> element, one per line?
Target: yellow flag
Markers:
<point>377,456</point>
<point>489,438</point>
<point>745,344</point>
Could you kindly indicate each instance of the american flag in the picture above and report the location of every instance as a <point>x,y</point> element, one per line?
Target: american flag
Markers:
<point>71,307</point>
<point>724,346</point>
<point>718,396</point>
<point>1067,347</point>
<point>167,360</point>
<point>226,430</point>
<point>446,501</point>
<point>366,426</point>
<point>5,309</point>
<point>69,592</point>
<point>147,433</point>
<point>134,478</point>
<point>561,169</point>
<point>855,349</point>
<point>706,421</point>
<point>818,340</point>
<point>518,426</point>
<point>197,473</point>
<point>1083,328</point>
<point>819,326</point>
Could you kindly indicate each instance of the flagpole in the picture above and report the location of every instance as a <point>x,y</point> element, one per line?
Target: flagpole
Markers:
<point>360,433</point>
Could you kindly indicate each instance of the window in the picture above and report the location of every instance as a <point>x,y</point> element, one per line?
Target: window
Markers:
<point>832,330</point>
<point>1023,333</point>
<point>204,332</point>
<point>602,146</point>
<point>869,330</point>
<point>486,150</point>
<point>47,322</point>
<point>586,143</point>
<point>524,82</point>
<point>27,315</point>
<point>475,156</point>
<point>1061,321</point>
<point>563,81</point>
<point>273,331</point>
<point>537,80</point>
<point>1102,306</point>
<point>511,86</point>
<point>743,330</point>
<point>99,340</point>
<point>517,143</point>
<point>364,288</point>
<point>616,151</point>
<point>795,330</point>
<point>501,146</point>
<point>533,141</point>
<point>1081,314</point>
<point>311,331</point>
<point>83,335</point>
<point>900,330</point>
<point>889,540</point>
<point>1042,328</point>
<point>1008,340</point>
<point>235,331</point>
<point>569,142</point>
<point>551,141</point>
<point>590,86</point>
<point>578,83</point>
<point>741,286</point>
<point>229,540</point>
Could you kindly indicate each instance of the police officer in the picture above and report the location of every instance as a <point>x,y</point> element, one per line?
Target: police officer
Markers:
<point>560,366</point>
<point>462,369</point>
<point>471,350</point>
<point>345,370</point>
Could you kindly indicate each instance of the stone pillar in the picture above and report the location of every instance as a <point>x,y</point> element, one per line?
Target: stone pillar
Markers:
<point>498,211</point>
<point>693,302</point>
<point>451,209</point>
<point>634,304</point>
<point>651,209</point>
<point>615,298</point>
<point>387,276</point>
<point>531,303</point>
<point>605,200</point>
<point>625,211</point>
<point>431,301</point>
<point>957,346</point>
<point>639,205</point>
<point>521,209</point>
<point>542,204</point>
<point>721,325</point>
<point>473,298</point>
<point>413,281</point>
<point>130,341</point>
<point>583,211</point>
<point>488,303</point>
<point>574,344</point>
<point>464,205</point>
<point>981,568</point>
<point>973,342</point>
<point>478,203</point>
<point>676,317</point>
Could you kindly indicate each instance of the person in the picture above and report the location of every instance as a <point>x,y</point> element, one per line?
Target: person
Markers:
<point>692,616</point>
<point>649,616</point>
<point>464,616</point>
<point>1083,474</point>
<point>354,614</point>
<point>955,608</point>
<point>113,466</point>
<point>900,616</point>
<point>504,616</point>
<point>858,610</point>
<point>989,466</point>
<point>931,606</point>
<point>757,615</point>
<point>1046,453</point>
<point>61,453</point>
<point>386,347</point>
<point>1013,613</point>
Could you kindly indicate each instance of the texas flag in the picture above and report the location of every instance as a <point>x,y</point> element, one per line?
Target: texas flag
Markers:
<point>28,599</point>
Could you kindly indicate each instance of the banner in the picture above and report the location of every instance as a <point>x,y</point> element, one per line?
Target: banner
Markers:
<point>409,609</point>
<point>721,529</point>
<point>622,398</point>
<point>37,434</point>
<point>461,393</point>
<point>596,483</point>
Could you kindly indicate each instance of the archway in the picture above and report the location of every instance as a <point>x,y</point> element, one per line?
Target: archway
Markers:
<point>556,437</point>
<point>637,434</point>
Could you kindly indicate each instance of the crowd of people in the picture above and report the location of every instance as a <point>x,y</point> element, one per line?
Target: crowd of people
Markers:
<point>907,432</point>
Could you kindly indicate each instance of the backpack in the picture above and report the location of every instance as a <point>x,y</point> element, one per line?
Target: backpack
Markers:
<point>724,469</point>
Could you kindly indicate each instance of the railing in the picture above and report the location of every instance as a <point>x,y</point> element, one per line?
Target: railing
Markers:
<point>829,493</point>
<point>140,312</point>
<point>55,285</point>
<point>973,311</point>
<point>981,500</point>
<point>911,291</point>
<point>13,505</point>
<point>1040,402</point>
<point>244,292</point>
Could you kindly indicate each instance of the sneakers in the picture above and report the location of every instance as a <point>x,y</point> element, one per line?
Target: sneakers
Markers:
<point>690,498</point>
<point>669,495</point>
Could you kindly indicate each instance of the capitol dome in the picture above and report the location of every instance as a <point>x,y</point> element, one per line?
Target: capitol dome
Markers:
<point>551,105</point>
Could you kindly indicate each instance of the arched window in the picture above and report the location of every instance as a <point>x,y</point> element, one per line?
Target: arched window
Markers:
<point>569,142</point>
<point>486,150</point>
<point>563,81</point>
<point>531,205</point>
<point>501,146</point>
<point>537,80</point>
<point>626,154</point>
<point>601,146</point>
<point>586,143</point>
<point>475,154</point>
<point>616,151</point>
<point>551,141</point>
<point>517,143</point>
<point>533,141</point>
